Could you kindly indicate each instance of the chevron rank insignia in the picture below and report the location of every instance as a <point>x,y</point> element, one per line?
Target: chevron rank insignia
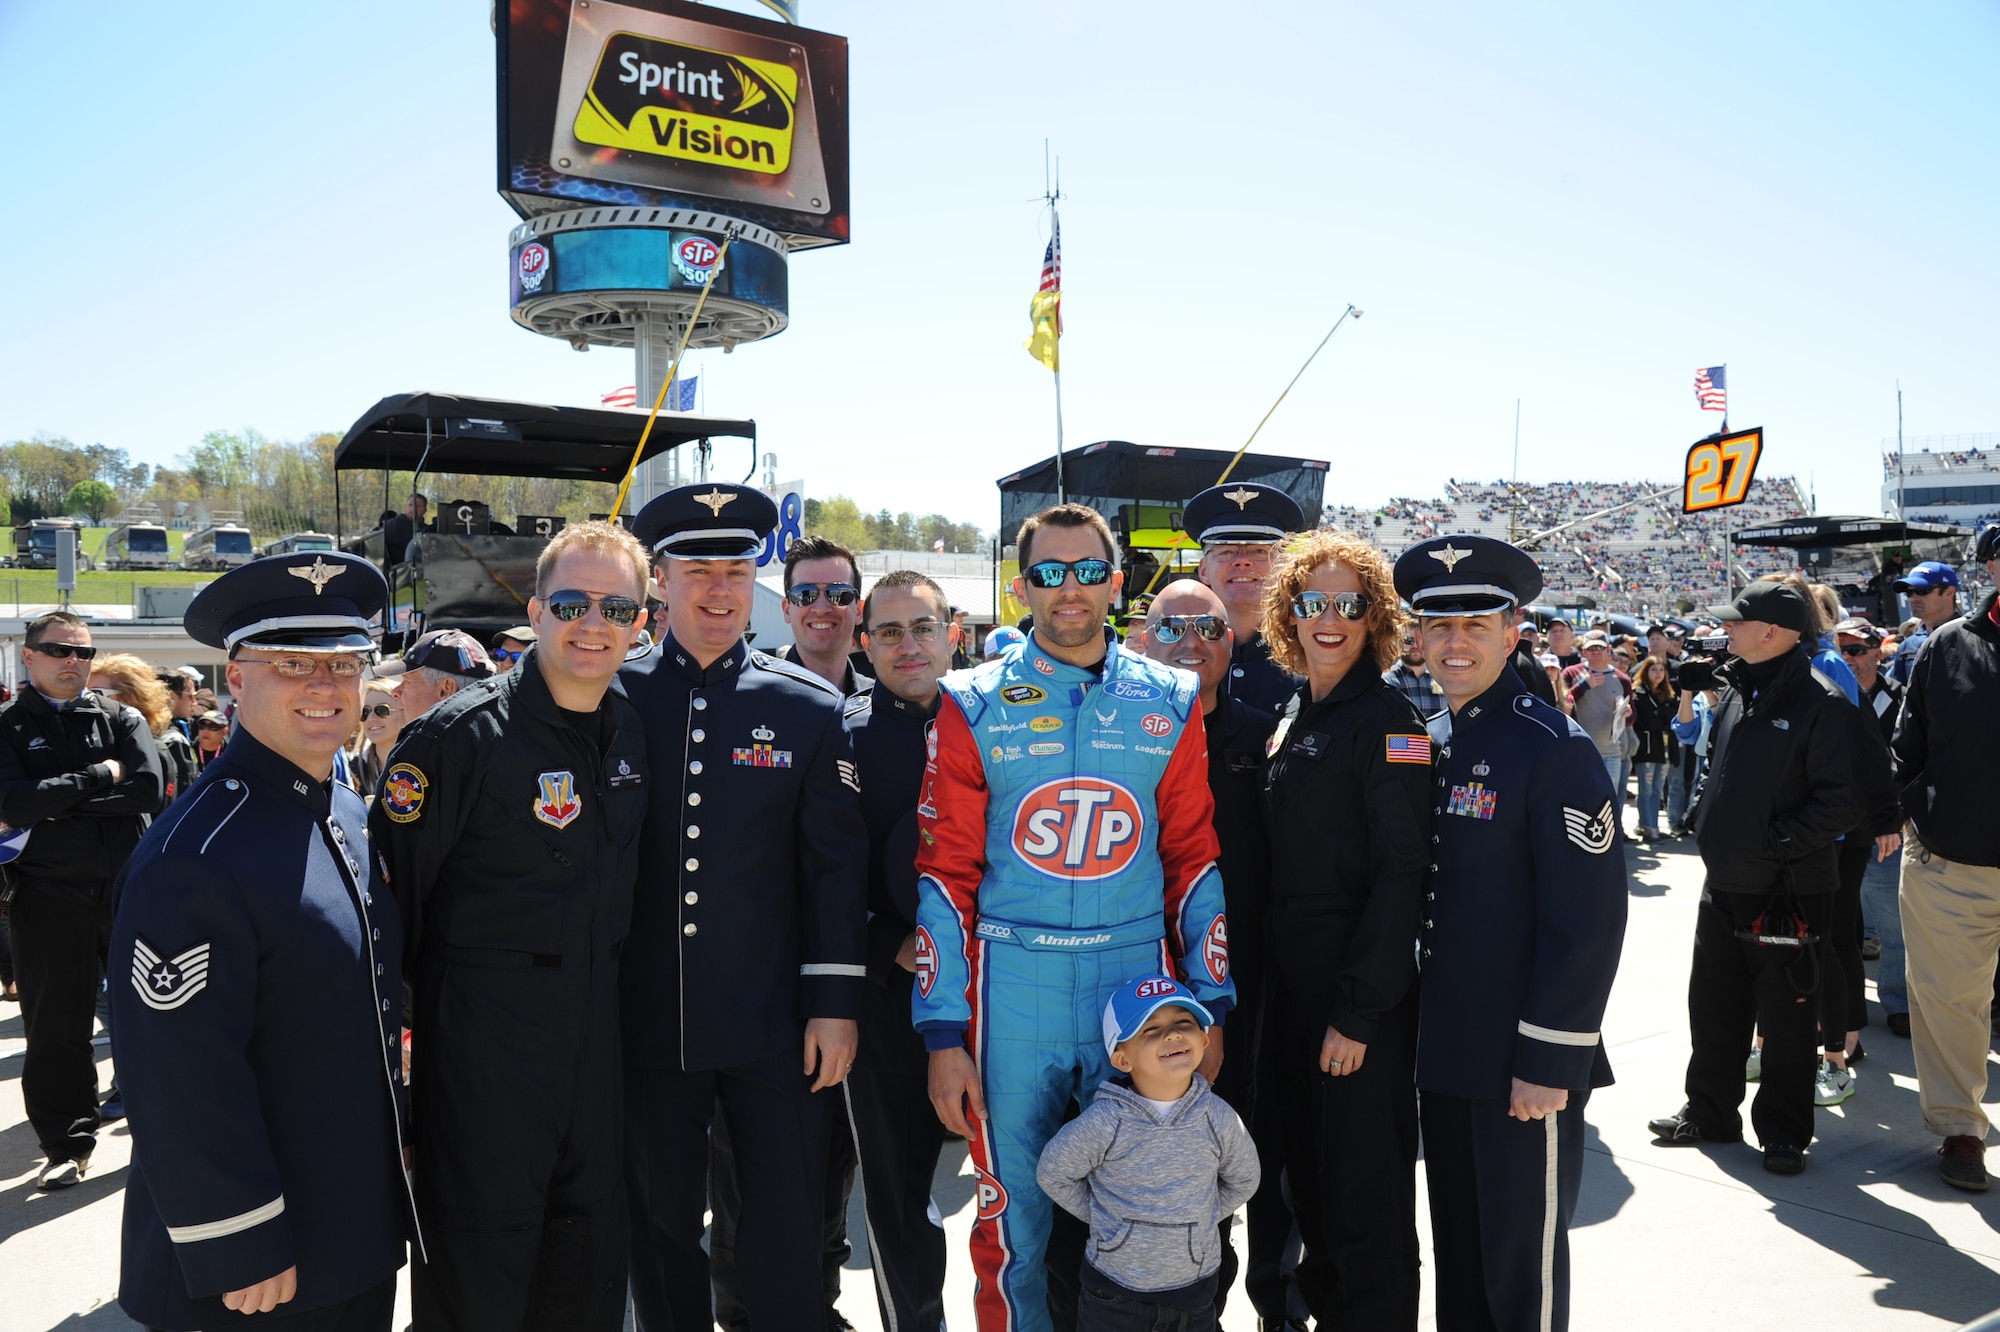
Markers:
<point>165,983</point>
<point>1592,832</point>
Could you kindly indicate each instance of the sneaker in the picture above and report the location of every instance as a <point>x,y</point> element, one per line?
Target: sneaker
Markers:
<point>1680,1130</point>
<point>64,1174</point>
<point>1753,1067</point>
<point>1899,1025</point>
<point>1781,1158</point>
<point>1834,1085</point>
<point>1871,950</point>
<point>111,1111</point>
<point>1962,1162</point>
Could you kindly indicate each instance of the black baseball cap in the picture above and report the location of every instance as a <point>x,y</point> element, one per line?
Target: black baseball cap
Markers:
<point>1768,603</point>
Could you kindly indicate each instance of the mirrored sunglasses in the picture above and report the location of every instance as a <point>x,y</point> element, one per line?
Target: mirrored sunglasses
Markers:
<point>569,606</point>
<point>1049,575</point>
<point>379,710</point>
<point>1312,605</point>
<point>803,595</point>
<point>1173,628</point>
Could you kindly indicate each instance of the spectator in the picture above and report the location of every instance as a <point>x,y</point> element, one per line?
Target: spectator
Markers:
<point>1597,690</point>
<point>1658,752</point>
<point>381,726</point>
<point>1777,799</point>
<point>508,645</point>
<point>1882,916</point>
<point>1412,681</point>
<point>1946,737</point>
<point>211,733</point>
<point>437,666</point>
<point>1932,588</point>
<point>126,679</point>
<point>86,774</point>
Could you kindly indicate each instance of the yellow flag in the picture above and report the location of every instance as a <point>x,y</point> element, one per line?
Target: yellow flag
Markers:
<point>1045,343</point>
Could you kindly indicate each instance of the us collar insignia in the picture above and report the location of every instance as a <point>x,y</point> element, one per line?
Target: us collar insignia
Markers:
<point>715,499</point>
<point>1449,556</point>
<point>319,573</point>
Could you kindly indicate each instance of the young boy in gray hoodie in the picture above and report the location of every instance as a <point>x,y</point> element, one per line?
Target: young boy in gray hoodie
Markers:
<point>1153,1165</point>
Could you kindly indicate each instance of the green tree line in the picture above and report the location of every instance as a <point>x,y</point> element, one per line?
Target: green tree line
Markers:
<point>839,518</point>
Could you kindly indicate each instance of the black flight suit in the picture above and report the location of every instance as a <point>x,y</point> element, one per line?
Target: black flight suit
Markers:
<point>257,991</point>
<point>53,775</point>
<point>1256,679</point>
<point>1534,675</point>
<point>748,921</point>
<point>1347,802</point>
<point>894,1123</point>
<point>1524,917</point>
<point>1238,736</point>
<point>510,829</point>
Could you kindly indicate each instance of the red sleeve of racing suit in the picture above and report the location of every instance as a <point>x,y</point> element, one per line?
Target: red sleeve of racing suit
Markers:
<point>951,861</point>
<point>1196,930</point>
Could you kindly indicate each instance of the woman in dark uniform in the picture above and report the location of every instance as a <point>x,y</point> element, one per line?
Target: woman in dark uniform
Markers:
<point>1347,799</point>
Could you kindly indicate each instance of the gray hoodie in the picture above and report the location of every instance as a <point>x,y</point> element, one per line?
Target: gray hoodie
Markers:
<point>1153,1191</point>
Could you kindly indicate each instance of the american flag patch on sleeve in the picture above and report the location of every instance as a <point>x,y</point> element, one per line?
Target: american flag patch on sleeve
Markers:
<point>1409,748</point>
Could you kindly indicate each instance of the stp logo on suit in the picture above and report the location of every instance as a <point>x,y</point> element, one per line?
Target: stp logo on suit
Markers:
<point>1078,828</point>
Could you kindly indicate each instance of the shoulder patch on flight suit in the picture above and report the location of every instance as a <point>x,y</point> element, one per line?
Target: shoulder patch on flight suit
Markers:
<point>1407,748</point>
<point>166,983</point>
<point>403,788</point>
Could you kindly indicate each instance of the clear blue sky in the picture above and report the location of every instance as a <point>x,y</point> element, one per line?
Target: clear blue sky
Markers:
<point>272,215</point>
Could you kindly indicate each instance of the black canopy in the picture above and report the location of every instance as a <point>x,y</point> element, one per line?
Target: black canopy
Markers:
<point>1114,472</point>
<point>487,437</point>
<point>1853,530</point>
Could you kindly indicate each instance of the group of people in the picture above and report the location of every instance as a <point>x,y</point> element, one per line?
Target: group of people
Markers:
<point>534,964</point>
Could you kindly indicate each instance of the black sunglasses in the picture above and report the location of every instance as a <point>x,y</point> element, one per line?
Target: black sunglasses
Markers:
<point>377,710</point>
<point>1172,628</point>
<point>1856,649</point>
<point>837,594</point>
<point>62,650</point>
<point>1049,575</point>
<point>570,606</point>
<point>503,654</point>
<point>1312,605</point>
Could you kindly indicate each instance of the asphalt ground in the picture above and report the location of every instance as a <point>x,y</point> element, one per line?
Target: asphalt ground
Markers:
<point>1868,1237</point>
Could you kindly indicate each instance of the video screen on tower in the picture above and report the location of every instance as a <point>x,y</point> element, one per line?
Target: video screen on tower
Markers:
<point>657,103</point>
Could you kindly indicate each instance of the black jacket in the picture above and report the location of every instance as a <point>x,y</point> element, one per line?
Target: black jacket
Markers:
<point>1345,797</point>
<point>178,765</point>
<point>1784,780</point>
<point>1651,722</point>
<point>53,774</point>
<point>1238,736</point>
<point>1534,675</point>
<point>1947,738</point>
<point>890,752</point>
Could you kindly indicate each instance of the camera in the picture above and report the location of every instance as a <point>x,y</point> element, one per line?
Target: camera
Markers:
<point>1697,674</point>
<point>1779,926</point>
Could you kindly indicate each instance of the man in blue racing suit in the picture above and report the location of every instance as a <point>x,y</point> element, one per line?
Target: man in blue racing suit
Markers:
<point>1065,847</point>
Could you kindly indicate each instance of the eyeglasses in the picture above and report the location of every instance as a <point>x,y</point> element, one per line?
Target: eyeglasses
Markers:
<point>837,594</point>
<point>1172,628</point>
<point>1048,575</point>
<point>569,606</point>
<point>61,651</point>
<point>502,654</point>
<point>1312,605</point>
<point>1856,649</point>
<point>379,710</point>
<point>888,635</point>
<point>211,726</point>
<point>299,668</point>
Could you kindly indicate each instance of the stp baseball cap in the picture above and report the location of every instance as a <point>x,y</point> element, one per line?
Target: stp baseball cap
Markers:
<point>1929,574</point>
<point>1136,1000</point>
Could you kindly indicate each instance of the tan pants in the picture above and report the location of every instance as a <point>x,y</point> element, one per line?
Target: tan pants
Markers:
<point>1951,926</point>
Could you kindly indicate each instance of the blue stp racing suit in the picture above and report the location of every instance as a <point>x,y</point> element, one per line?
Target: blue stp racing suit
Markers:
<point>1065,847</point>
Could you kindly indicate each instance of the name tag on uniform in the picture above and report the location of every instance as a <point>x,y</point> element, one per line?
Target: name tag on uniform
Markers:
<point>622,773</point>
<point>1309,744</point>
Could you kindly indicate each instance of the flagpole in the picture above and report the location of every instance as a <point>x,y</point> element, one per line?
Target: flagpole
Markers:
<point>1062,492</point>
<point>1052,191</point>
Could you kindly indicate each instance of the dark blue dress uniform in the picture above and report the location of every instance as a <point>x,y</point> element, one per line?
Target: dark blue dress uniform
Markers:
<point>896,1129</point>
<point>748,919</point>
<point>510,830</point>
<point>1241,513</point>
<point>257,995</point>
<point>1523,923</point>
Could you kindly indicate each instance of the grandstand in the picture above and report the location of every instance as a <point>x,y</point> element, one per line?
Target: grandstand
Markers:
<point>1646,559</point>
<point>1943,479</point>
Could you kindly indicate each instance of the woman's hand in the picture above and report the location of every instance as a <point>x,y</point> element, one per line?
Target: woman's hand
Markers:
<point>1339,1056</point>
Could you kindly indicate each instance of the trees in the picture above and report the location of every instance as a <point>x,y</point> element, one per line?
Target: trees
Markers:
<point>93,498</point>
<point>840,519</point>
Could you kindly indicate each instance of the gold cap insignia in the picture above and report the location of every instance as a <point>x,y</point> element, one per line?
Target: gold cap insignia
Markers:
<point>1450,557</point>
<point>319,573</point>
<point>715,499</point>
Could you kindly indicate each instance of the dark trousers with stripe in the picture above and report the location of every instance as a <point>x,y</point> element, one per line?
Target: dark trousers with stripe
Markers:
<point>779,1129</point>
<point>725,1206</point>
<point>1502,1193</point>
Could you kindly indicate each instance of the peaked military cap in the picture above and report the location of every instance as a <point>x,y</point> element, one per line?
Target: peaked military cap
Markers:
<point>321,601</point>
<point>710,521</point>
<point>1241,513</point>
<point>1466,575</point>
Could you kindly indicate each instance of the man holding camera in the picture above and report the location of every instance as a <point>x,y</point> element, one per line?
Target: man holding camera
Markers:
<point>1946,737</point>
<point>1783,785</point>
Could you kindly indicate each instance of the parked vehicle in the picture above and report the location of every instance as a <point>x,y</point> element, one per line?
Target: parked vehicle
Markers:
<point>219,546</point>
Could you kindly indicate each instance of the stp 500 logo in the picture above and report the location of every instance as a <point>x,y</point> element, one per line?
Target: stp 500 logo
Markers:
<point>1078,828</point>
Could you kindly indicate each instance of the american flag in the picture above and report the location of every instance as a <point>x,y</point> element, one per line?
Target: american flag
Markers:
<point>624,397</point>
<point>1708,389</point>
<point>1052,267</point>
<point>1408,749</point>
<point>679,399</point>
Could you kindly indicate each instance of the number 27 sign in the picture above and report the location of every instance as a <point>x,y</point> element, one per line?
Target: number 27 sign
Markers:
<point>1719,470</point>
